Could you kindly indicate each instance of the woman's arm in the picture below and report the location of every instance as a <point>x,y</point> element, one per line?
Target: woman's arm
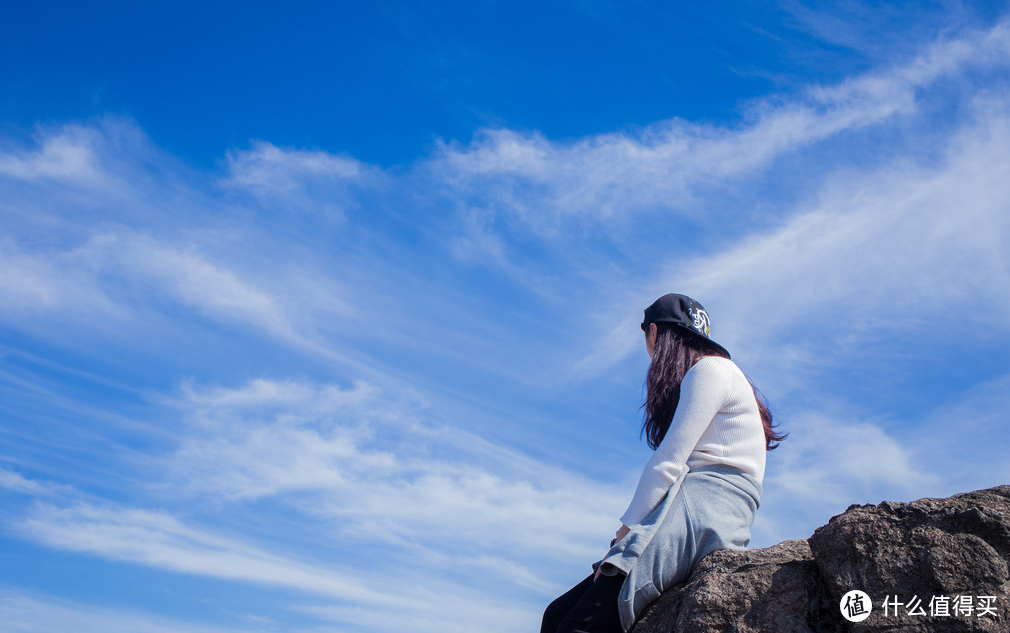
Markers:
<point>703,393</point>
<point>621,533</point>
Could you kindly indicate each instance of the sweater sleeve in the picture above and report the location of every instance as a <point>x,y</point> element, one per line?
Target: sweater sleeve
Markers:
<point>703,393</point>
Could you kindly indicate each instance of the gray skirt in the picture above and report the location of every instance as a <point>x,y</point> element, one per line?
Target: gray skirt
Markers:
<point>708,508</point>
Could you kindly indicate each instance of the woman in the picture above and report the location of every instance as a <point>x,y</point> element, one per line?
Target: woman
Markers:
<point>699,490</point>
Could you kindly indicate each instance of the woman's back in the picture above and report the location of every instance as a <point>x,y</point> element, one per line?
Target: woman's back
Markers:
<point>717,421</point>
<point>735,436</point>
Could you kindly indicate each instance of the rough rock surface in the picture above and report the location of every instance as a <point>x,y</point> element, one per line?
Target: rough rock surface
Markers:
<point>943,553</point>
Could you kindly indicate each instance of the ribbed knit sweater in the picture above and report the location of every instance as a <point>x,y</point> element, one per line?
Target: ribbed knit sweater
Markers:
<point>716,422</point>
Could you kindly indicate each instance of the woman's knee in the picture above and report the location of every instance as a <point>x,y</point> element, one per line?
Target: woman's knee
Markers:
<point>557,610</point>
<point>597,611</point>
<point>553,614</point>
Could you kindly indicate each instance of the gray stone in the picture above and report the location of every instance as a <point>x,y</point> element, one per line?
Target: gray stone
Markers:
<point>772,589</point>
<point>918,551</point>
<point>930,549</point>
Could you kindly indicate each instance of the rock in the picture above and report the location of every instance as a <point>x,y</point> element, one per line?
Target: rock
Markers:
<point>772,589</point>
<point>939,550</point>
<point>929,548</point>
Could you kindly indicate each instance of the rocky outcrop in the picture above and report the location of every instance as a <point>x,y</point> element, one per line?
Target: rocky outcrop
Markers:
<point>928,565</point>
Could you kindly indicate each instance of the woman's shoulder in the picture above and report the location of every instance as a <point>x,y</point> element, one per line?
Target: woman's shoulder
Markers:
<point>716,374</point>
<point>710,368</point>
<point>715,365</point>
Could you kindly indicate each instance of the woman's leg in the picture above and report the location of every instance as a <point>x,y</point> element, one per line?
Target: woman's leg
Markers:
<point>595,611</point>
<point>557,610</point>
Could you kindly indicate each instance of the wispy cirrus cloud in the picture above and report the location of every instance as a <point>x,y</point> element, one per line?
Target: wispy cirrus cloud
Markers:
<point>193,280</point>
<point>67,156</point>
<point>871,254</point>
<point>161,540</point>
<point>367,597</point>
<point>838,454</point>
<point>24,612</point>
<point>303,183</point>
<point>608,178</point>
<point>15,482</point>
<point>118,277</point>
<point>354,468</point>
<point>267,168</point>
<point>34,283</point>
<point>877,250</point>
<point>970,429</point>
<point>376,465</point>
<point>398,500</point>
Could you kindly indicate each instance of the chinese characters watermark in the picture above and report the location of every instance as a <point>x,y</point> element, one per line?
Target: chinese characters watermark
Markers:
<point>856,606</point>
<point>943,606</point>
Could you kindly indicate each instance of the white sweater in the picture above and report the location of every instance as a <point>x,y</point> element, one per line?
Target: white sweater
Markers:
<point>716,422</point>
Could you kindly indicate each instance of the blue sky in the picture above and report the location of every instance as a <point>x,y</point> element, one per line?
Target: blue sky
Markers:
<point>325,318</point>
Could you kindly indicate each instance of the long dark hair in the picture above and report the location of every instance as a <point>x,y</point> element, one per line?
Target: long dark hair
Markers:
<point>674,354</point>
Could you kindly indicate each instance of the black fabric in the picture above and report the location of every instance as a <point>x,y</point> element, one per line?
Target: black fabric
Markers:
<point>588,607</point>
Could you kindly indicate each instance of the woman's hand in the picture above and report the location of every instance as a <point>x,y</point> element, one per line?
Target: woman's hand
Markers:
<point>621,533</point>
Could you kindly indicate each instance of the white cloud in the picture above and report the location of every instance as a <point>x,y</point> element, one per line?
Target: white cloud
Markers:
<point>377,465</point>
<point>366,468</point>
<point>160,540</point>
<point>361,596</point>
<point>28,281</point>
<point>267,168</point>
<point>64,284</point>
<point>878,254</point>
<point>23,612</point>
<point>461,616</point>
<point>878,250</point>
<point>964,440</point>
<point>67,156</point>
<point>192,280</point>
<point>274,437</point>
<point>16,482</point>
<point>832,460</point>
<point>137,238</point>
<point>612,176</point>
<point>119,278</point>
<point>398,590</point>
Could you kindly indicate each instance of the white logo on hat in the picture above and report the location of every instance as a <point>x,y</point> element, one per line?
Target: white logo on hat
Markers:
<point>700,321</point>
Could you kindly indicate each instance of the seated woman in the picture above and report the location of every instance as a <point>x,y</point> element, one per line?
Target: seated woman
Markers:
<point>699,490</point>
